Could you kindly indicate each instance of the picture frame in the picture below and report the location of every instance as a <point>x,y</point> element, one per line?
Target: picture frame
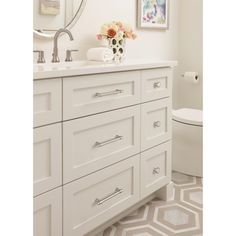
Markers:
<point>49,7</point>
<point>153,14</point>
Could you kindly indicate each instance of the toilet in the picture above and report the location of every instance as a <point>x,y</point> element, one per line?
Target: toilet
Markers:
<point>187,141</point>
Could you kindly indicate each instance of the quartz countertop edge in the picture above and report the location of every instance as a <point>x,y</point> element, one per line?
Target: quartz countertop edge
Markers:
<point>44,71</point>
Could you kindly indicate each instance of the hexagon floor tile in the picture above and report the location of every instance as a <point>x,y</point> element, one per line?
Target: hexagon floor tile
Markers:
<point>181,216</point>
<point>192,196</point>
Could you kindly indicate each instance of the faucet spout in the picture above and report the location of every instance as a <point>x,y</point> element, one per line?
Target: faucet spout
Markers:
<point>55,57</point>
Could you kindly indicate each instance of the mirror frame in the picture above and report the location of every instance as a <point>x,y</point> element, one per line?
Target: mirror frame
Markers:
<point>74,20</point>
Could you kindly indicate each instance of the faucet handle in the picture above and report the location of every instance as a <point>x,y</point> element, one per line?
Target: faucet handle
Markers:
<point>68,54</point>
<point>41,58</point>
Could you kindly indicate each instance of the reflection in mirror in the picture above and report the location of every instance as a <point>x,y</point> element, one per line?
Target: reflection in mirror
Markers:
<point>51,15</point>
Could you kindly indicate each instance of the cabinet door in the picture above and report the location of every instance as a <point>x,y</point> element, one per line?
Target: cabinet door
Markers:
<point>156,123</point>
<point>47,158</point>
<point>156,84</point>
<point>48,214</point>
<point>47,101</point>
<point>96,198</point>
<point>155,168</point>
<point>90,94</point>
<point>94,142</point>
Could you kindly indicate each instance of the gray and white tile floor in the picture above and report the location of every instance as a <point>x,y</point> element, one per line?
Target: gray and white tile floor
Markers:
<point>181,216</point>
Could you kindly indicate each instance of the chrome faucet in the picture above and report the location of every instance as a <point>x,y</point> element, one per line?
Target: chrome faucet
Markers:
<point>55,57</point>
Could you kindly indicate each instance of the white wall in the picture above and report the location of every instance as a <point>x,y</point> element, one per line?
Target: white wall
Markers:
<point>149,44</point>
<point>190,52</point>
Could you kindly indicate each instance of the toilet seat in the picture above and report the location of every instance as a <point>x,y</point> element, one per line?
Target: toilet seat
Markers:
<point>188,116</point>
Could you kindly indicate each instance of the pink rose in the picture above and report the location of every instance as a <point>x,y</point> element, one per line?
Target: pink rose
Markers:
<point>99,36</point>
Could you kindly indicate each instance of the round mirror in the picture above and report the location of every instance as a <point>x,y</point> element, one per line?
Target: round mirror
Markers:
<point>51,15</point>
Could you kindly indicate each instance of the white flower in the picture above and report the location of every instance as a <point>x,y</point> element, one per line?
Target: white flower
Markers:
<point>120,35</point>
<point>127,28</point>
<point>113,26</point>
<point>104,29</point>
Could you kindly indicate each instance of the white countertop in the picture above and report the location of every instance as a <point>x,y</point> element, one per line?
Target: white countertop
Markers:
<point>65,69</point>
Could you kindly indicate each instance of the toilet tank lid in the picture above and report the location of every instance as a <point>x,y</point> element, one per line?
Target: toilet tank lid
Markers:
<point>188,116</point>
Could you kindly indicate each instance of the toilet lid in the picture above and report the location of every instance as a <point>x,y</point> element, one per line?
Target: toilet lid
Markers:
<point>188,116</point>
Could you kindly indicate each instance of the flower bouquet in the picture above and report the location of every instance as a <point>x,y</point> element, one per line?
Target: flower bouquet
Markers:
<point>116,34</point>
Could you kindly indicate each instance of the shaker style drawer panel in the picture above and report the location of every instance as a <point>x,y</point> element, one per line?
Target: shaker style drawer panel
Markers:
<point>96,198</point>
<point>156,84</point>
<point>48,214</point>
<point>90,94</point>
<point>155,123</point>
<point>91,143</point>
<point>155,168</point>
<point>47,102</point>
<point>47,158</point>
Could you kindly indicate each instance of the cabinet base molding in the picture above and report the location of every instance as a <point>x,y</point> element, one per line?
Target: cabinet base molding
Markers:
<point>166,193</point>
<point>100,229</point>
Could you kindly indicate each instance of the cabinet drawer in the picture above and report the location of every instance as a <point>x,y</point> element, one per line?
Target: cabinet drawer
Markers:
<point>90,94</point>
<point>156,84</point>
<point>48,214</point>
<point>155,168</point>
<point>47,101</point>
<point>47,158</point>
<point>91,143</point>
<point>96,198</point>
<point>156,123</point>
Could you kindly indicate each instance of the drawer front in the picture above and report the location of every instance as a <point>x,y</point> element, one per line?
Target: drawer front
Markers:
<point>156,123</point>
<point>47,102</point>
<point>155,168</point>
<point>48,214</point>
<point>47,158</point>
<point>156,84</point>
<point>90,94</point>
<point>91,143</point>
<point>96,198</point>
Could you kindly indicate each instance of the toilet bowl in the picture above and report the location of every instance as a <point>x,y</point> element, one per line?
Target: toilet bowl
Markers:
<point>187,141</point>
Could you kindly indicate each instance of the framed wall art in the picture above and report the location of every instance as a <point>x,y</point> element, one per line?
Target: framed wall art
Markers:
<point>153,14</point>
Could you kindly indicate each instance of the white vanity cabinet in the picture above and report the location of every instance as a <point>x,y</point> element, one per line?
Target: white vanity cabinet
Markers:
<point>47,158</point>
<point>156,122</point>
<point>102,144</point>
<point>96,198</point>
<point>155,168</point>
<point>156,84</point>
<point>47,101</point>
<point>90,94</point>
<point>93,142</point>
<point>48,214</point>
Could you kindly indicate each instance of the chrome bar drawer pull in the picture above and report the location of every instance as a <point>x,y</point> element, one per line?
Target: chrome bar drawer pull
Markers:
<point>156,171</point>
<point>156,124</point>
<point>157,85</point>
<point>108,197</point>
<point>117,91</point>
<point>101,144</point>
